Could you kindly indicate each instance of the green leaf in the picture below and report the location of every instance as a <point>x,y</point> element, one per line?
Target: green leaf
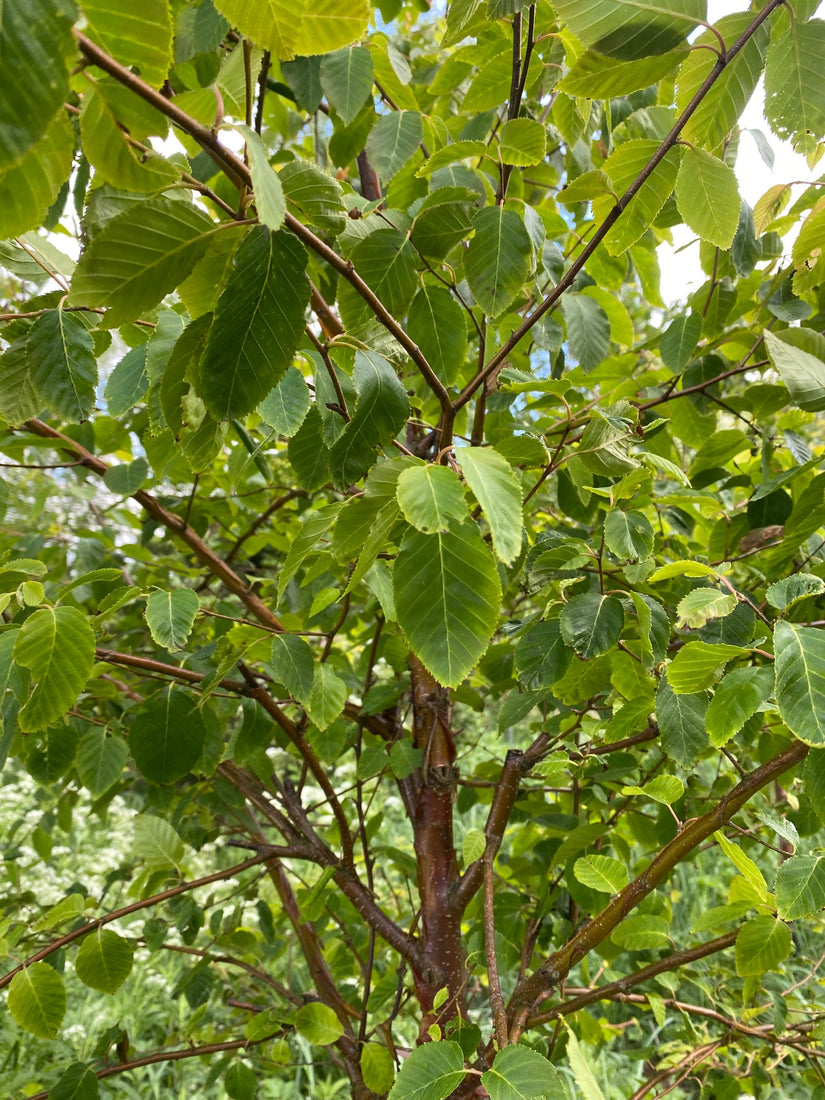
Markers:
<point>128,478</point>
<point>602,873</point>
<point>628,535</point>
<point>386,261</point>
<point>522,142</point>
<point>380,413</point>
<point>685,568</point>
<point>665,789</point>
<point>346,77</point>
<point>315,526</point>
<point>430,496</point>
<point>240,1082</point>
<point>520,1073</point>
<point>679,340</point>
<point>139,38</point>
<point>38,50</point>
<point>67,909</point>
<point>167,737</point>
<point>316,196</point>
<point>100,760</point>
<point>631,29</point>
<point>19,400</point>
<point>681,721</point>
<point>703,604</point>
<point>375,542</point>
<point>591,623</point>
<point>447,597</point>
<point>437,323</point>
<point>377,1067</point>
<point>641,932</point>
<point>104,960</point>
<point>37,1000</point>
<point>308,455</point>
<point>286,405</point>
<point>269,194</point>
<point>79,1082</point>
<point>588,329</point>
<point>596,76</point>
<point>794,93</point>
<point>800,680</point>
<point>110,119</point>
<point>157,843</point>
<point>171,615</point>
<point>139,256</point>
<point>63,365</point>
<point>800,887</point>
<point>624,165</point>
<point>449,154</point>
<point>801,586</point>
<point>799,356</point>
<point>303,27</point>
<point>431,1072</point>
<point>128,383</point>
<point>293,665</point>
<point>761,945</point>
<point>722,105</point>
<point>497,489</point>
<point>737,698</point>
<point>29,188</point>
<point>707,195</point>
<point>318,1023</point>
<point>814,775</point>
<point>326,698</point>
<point>581,1067</point>
<point>695,666</point>
<point>442,221</point>
<point>393,141</point>
<point>541,655</point>
<point>499,258</point>
<point>259,319</point>
<point>57,645</point>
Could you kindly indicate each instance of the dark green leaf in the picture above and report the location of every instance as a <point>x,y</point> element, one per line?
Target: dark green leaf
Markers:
<point>393,141</point>
<point>38,49</point>
<point>498,259</point>
<point>591,624</point>
<point>167,737</point>
<point>800,680</point>
<point>431,1072</point>
<point>381,412</point>
<point>681,721</point>
<point>437,323</point>
<point>346,77</point>
<point>258,322</point>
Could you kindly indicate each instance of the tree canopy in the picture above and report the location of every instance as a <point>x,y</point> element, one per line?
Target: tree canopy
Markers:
<point>412,658</point>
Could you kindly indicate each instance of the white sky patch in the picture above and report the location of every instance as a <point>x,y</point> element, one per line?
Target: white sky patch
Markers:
<point>681,271</point>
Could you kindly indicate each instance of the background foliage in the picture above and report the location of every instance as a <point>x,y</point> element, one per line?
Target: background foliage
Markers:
<point>412,667</point>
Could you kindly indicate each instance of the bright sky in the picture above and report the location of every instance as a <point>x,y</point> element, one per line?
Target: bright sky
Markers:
<point>681,273</point>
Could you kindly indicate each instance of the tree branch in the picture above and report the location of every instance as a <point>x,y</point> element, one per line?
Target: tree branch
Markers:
<point>240,176</point>
<point>555,968</point>
<point>604,992</point>
<point>136,906</point>
<point>601,232</point>
<point>174,524</point>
